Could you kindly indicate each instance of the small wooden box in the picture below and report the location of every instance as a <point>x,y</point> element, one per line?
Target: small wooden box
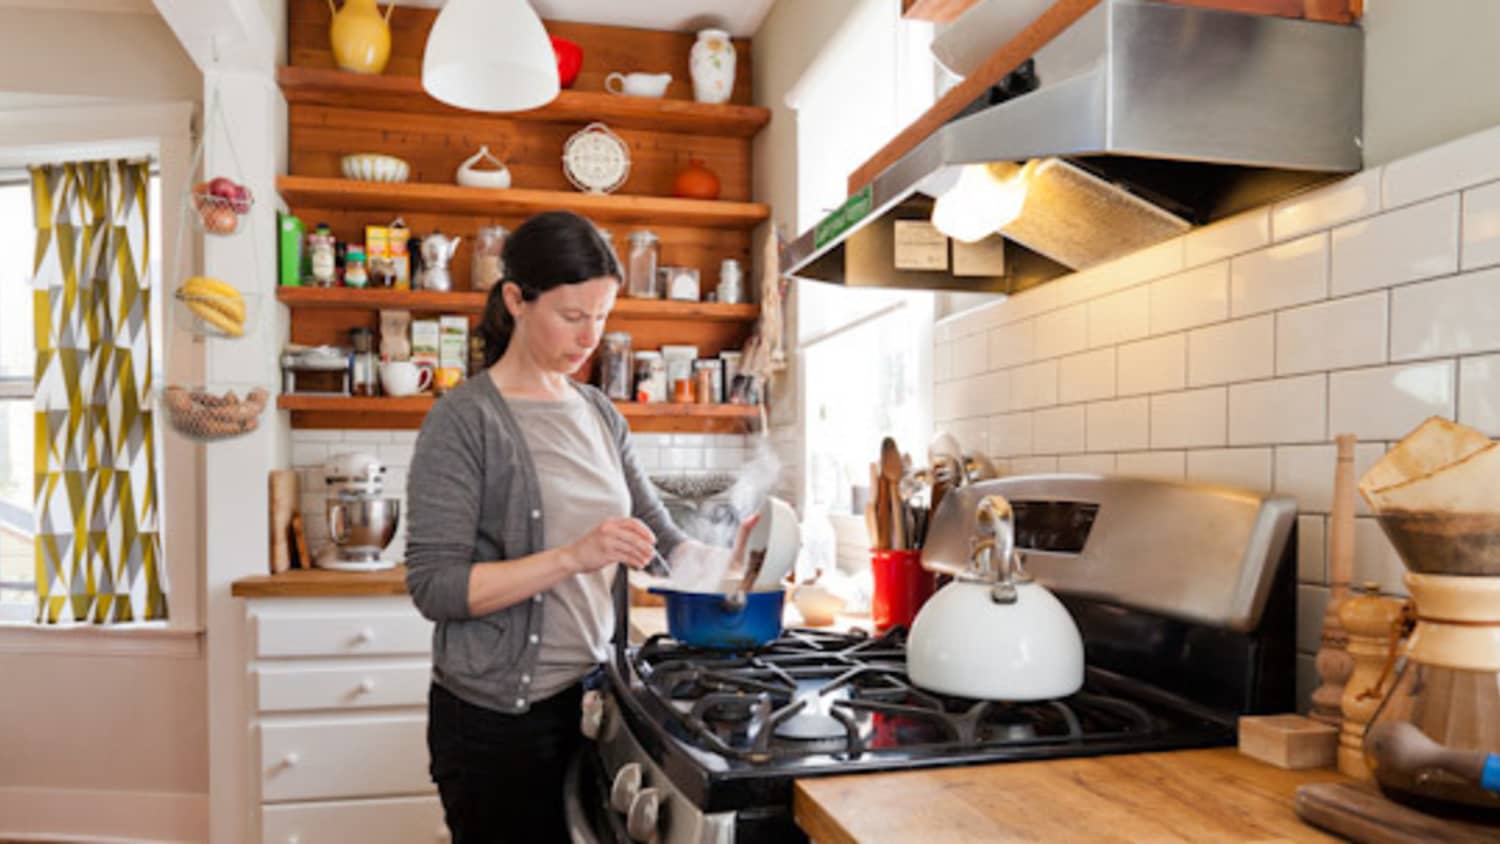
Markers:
<point>1293,742</point>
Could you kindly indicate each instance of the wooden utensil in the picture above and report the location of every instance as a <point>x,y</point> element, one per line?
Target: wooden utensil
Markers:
<point>1359,812</point>
<point>282,485</point>
<point>882,537</point>
<point>299,539</point>
<point>891,469</point>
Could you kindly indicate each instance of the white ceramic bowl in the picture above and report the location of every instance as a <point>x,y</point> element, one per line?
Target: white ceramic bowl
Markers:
<point>372,167</point>
<point>777,534</point>
<point>817,604</point>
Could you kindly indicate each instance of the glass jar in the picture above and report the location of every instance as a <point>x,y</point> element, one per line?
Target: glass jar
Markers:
<point>641,267</point>
<point>363,372</point>
<point>354,267</point>
<point>615,366</point>
<point>320,255</point>
<point>650,377</point>
<point>731,288</point>
<point>487,266</point>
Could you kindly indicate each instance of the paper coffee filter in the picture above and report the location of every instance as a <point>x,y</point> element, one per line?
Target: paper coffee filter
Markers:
<point>1434,445</point>
<point>1470,485</point>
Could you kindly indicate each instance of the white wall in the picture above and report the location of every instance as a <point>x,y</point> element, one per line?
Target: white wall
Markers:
<point>111,721</point>
<point>1235,354</point>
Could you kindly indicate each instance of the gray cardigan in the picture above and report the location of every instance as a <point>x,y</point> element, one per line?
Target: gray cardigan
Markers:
<point>472,496</point>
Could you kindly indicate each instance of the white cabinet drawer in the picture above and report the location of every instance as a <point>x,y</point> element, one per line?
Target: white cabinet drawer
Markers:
<point>354,756</point>
<point>398,820</point>
<point>341,634</point>
<point>342,684</point>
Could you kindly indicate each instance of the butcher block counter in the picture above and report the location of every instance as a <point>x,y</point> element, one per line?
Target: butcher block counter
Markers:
<point>1183,796</point>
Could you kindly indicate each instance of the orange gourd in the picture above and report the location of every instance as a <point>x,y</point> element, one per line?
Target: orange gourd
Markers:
<point>696,181</point>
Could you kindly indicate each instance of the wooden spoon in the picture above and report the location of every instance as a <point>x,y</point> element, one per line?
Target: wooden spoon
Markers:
<point>891,471</point>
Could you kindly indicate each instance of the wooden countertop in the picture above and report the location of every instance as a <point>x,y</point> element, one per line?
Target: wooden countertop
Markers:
<point>1213,795</point>
<point>319,583</point>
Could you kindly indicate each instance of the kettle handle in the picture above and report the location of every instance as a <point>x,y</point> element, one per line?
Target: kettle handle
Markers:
<point>997,523</point>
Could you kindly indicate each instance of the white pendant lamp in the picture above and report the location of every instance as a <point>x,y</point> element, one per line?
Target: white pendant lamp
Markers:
<point>490,55</point>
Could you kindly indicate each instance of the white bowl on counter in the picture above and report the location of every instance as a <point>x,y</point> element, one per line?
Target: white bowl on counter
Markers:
<point>373,167</point>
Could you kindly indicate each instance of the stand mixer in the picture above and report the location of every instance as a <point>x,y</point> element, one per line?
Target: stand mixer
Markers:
<point>361,520</point>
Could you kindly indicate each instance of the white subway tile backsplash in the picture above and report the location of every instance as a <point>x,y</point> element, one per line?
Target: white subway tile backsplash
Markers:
<point>1479,393</point>
<point>945,400</point>
<point>1010,435</point>
<point>364,437</point>
<point>681,458</point>
<point>1312,554</point>
<point>395,479</point>
<point>1095,464</point>
<point>1034,386</point>
<point>1058,430</point>
<point>1305,472</point>
<point>1033,465</point>
<point>1240,233</point>
<point>311,454</point>
<point>1010,345</point>
<point>1159,465</point>
<point>393,454</point>
<point>1481,227</point>
<point>1288,410</point>
<point>994,392</point>
<point>1153,366</point>
<point>1192,419</point>
<point>969,398</point>
<point>1312,603</point>
<point>973,434</point>
<point>942,362</point>
<point>649,458</point>
<point>1062,332</point>
<point>1087,377</point>
<point>1354,197</point>
<point>1332,335</point>
<point>1189,299</point>
<point>651,440</point>
<point>1292,273</point>
<point>1153,262</point>
<point>1375,560</point>
<point>1399,246</point>
<point>1456,165</point>
<point>1386,403</point>
<point>691,440</point>
<point>1242,468</point>
<point>1307,681</point>
<point>1119,317</point>
<point>724,458</point>
<point>970,355</point>
<point>1450,316</point>
<point>317,435</point>
<point>1233,351</point>
<point>1120,425</point>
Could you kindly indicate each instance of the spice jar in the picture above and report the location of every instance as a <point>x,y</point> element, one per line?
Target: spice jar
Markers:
<point>354,267</point>
<point>703,385</point>
<point>615,366</point>
<point>363,373</point>
<point>487,267</point>
<point>731,288</point>
<point>641,268</point>
<point>650,377</point>
<point>320,255</point>
<point>682,391</point>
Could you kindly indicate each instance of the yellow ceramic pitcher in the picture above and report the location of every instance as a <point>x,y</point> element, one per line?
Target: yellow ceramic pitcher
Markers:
<point>361,37</point>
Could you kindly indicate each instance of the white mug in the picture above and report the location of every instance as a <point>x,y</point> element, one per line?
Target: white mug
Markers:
<point>404,378</point>
<point>638,84</point>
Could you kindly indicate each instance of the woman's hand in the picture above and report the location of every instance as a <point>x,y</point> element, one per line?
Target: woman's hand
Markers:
<point>622,540</point>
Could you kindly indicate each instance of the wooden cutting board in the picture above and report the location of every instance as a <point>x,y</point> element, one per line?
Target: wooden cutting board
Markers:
<point>1215,796</point>
<point>1359,812</point>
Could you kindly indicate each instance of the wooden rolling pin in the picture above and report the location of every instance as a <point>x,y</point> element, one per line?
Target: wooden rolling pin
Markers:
<point>284,501</point>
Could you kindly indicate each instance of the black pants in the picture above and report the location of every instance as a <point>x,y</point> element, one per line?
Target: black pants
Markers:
<point>501,776</point>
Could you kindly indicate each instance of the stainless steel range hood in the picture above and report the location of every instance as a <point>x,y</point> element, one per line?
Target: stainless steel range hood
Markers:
<point>1147,119</point>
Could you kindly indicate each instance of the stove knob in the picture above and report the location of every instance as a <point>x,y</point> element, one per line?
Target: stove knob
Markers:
<point>641,822</point>
<point>627,783</point>
<point>592,720</point>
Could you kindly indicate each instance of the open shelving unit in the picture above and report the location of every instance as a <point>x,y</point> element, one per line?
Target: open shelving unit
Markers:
<point>332,113</point>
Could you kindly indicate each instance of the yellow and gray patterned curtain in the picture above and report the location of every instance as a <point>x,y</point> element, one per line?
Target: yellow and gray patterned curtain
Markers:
<point>98,551</point>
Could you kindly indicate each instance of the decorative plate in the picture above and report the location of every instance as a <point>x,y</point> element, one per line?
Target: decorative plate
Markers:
<point>596,160</point>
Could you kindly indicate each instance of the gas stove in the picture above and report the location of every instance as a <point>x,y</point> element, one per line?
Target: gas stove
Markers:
<point>696,745</point>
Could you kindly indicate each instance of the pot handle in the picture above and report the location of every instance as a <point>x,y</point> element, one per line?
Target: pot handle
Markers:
<point>997,524</point>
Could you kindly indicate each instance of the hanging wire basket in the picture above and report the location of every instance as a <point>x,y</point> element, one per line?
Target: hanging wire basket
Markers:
<point>219,215</point>
<point>206,415</point>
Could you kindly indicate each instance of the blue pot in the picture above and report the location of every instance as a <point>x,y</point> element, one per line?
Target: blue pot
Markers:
<point>701,619</point>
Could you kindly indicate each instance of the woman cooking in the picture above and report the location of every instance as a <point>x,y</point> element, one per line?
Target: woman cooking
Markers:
<point>524,498</point>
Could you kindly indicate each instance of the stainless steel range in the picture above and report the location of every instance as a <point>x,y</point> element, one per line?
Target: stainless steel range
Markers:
<point>1193,625</point>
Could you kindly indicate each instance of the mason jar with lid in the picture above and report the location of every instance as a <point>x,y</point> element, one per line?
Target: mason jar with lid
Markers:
<point>487,266</point>
<point>615,366</point>
<point>641,267</point>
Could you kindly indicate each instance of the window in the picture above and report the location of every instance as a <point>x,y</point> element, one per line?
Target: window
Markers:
<point>17,365</point>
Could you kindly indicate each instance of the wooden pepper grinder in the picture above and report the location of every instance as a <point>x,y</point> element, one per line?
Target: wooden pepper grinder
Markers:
<point>1334,663</point>
<point>1372,622</point>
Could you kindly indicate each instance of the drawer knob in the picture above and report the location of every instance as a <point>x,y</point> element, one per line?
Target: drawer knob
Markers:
<point>291,759</point>
<point>364,636</point>
<point>365,686</point>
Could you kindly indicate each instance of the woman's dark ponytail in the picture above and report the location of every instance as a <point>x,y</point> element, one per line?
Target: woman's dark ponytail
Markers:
<point>547,251</point>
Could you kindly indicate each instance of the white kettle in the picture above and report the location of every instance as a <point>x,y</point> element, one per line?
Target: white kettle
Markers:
<point>994,633</point>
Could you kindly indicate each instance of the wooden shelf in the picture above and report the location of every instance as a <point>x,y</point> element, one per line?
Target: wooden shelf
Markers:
<point>467,302</point>
<point>328,87</point>
<point>407,412</point>
<point>346,194</point>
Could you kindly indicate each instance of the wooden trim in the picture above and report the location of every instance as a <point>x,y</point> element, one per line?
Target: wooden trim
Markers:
<point>1048,26</point>
<point>318,583</point>
<point>327,412</point>
<point>937,11</point>
<point>341,89</point>
<point>466,302</point>
<point>346,194</point>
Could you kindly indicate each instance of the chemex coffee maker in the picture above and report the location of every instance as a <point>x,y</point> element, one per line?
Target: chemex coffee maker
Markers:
<point>1434,741</point>
<point>361,519</point>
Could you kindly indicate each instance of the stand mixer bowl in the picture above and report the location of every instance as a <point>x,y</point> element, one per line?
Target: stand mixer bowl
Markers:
<point>362,527</point>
